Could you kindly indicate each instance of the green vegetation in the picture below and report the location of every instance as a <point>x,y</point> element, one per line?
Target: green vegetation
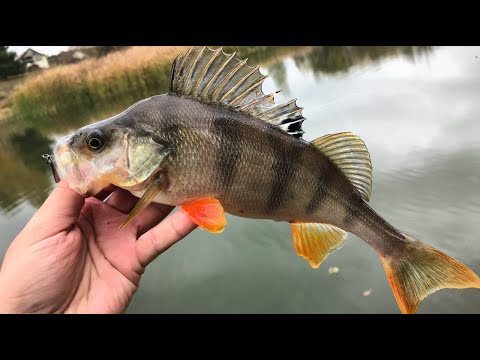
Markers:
<point>71,92</point>
<point>8,65</point>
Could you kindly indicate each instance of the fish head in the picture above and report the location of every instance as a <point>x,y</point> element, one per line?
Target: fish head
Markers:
<point>108,153</point>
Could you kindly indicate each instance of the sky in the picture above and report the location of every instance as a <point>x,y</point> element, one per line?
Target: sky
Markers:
<point>47,50</point>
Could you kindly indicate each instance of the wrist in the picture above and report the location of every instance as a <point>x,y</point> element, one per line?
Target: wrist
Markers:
<point>6,304</point>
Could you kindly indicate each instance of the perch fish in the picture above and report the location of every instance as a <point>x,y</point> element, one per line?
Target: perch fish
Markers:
<point>216,144</point>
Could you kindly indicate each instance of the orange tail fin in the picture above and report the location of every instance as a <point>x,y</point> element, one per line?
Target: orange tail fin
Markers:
<point>421,270</point>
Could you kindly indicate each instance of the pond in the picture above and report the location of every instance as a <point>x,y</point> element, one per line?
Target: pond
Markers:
<point>417,109</point>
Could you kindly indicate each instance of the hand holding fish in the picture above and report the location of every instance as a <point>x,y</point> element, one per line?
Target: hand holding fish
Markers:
<point>69,259</point>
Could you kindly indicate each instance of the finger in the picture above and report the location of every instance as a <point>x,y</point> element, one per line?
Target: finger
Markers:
<point>122,200</point>
<point>151,216</point>
<point>163,236</point>
<point>58,213</point>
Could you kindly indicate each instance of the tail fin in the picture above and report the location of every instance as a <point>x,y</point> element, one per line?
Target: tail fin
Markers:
<point>421,270</point>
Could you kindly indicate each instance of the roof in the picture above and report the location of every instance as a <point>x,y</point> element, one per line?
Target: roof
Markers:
<point>35,51</point>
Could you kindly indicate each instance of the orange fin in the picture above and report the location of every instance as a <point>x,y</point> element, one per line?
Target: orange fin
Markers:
<point>421,270</point>
<point>207,213</point>
<point>315,242</point>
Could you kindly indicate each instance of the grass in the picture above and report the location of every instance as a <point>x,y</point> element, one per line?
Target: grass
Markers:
<point>7,87</point>
<point>94,83</point>
<point>72,92</point>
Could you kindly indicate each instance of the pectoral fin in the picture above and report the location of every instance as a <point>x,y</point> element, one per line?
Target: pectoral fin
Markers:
<point>152,190</point>
<point>207,213</point>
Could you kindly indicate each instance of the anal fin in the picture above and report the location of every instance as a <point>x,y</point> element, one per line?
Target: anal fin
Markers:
<point>315,242</point>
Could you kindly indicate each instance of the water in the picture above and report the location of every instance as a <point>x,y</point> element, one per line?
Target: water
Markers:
<point>416,109</point>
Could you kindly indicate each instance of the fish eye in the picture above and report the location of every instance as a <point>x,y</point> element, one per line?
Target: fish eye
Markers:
<point>95,140</point>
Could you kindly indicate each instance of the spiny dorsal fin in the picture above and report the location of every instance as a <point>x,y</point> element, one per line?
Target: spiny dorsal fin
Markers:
<point>215,77</point>
<point>315,242</point>
<point>351,156</point>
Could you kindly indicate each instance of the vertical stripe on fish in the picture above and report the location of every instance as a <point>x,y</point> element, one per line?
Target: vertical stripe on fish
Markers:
<point>228,138</point>
<point>325,180</point>
<point>285,162</point>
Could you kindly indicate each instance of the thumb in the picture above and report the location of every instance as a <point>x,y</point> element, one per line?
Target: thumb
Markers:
<point>58,213</point>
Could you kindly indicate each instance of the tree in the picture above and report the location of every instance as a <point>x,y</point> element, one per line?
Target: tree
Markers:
<point>8,65</point>
<point>104,50</point>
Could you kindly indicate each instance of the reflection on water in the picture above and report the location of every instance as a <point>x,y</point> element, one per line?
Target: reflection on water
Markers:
<point>416,109</point>
<point>278,73</point>
<point>23,176</point>
<point>23,143</point>
<point>340,59</point>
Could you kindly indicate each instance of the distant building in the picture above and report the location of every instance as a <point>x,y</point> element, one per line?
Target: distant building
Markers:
<point>34,59</point>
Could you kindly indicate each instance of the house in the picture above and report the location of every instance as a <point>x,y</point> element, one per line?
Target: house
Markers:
<point>34,59</point>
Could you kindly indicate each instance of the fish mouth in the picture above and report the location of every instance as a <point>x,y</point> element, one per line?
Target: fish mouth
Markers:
<point>67,164</point>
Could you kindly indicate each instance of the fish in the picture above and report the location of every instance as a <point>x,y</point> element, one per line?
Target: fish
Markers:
<point>215,143</point>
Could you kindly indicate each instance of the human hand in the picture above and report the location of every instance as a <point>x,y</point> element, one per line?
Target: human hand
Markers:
<point>71,258</point>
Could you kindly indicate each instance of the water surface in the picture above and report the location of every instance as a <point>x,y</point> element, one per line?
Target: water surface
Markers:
<point>418,111</point>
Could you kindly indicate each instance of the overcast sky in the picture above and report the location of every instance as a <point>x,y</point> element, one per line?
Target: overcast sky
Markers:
<point>47,50</point>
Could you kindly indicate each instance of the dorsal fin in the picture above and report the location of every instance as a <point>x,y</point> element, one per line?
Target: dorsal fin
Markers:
<point>215,77</point>
<point>351,156</point>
